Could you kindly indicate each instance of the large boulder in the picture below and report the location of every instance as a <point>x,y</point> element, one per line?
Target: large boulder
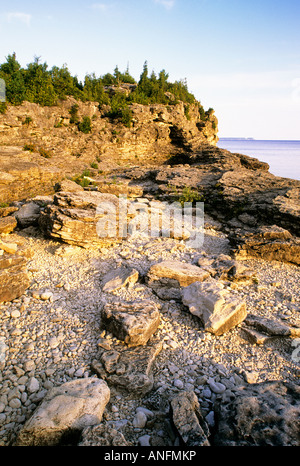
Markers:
<point>217,308</point>
<point>65,412</point>
<point>28,214</point>
<point>263,414</point>
<point>85,218</point>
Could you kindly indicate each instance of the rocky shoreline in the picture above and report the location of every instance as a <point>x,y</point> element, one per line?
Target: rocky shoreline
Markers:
<point>54,335</point>
<point>138,339</point>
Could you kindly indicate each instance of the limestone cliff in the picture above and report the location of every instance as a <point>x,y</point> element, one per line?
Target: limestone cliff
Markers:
<point>57,148</point>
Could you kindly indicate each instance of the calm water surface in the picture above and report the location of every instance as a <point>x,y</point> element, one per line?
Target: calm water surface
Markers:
<point>283,157</point>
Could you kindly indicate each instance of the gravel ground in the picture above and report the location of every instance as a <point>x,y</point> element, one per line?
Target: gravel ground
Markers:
<point>52,338</point>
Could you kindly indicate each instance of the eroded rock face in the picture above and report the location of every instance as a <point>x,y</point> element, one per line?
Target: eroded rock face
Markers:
<point>264,414</point>
<point>216,307</point>
<point>65,411</point>
<point>134,323</point>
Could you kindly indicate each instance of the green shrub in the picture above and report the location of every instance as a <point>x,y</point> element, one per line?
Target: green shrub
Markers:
<point>126,117</point>
<point>85,125</point>
<point>30,147</point>
<point>27,121</point>
<point>190,195</point>
<point>74,113</point>
<point>94,165</point>
<point>3,107</point>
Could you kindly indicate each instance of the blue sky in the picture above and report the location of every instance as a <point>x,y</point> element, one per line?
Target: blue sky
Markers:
<point>242,58</point>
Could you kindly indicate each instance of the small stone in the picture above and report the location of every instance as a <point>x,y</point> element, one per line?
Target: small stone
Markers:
<point>251,377</point>
<point>15,314</point>
<point>15,403</point>
<point>216,387</point>
<point>33,385</point>
<point>29,366</point>
<point>53,342</point>
<point>178,384</point>
<point>46,295</point>
<point>210,419</point>
<point>140,420</point>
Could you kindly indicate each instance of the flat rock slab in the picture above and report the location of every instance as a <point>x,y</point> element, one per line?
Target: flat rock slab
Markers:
<point>184,273</point>
<point>188,420</point>
<point>65,411</point>
<point>134,323</point>
<point>167,278</point>
<point>263,414</point>
<point>216,307</point>
<point>128,369</point>
<point>119,278</point>
<point>5,211</point>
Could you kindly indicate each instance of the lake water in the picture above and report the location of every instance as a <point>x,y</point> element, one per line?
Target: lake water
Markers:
<point>283,157</point>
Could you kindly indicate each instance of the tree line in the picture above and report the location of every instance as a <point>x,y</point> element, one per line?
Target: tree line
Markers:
<point>36,83</point>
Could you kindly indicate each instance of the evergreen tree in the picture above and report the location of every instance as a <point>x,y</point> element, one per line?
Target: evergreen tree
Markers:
<point>39,87</point>
<point>12,74</point>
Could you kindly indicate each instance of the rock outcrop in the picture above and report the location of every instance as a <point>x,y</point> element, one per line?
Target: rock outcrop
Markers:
<point>268,243</point>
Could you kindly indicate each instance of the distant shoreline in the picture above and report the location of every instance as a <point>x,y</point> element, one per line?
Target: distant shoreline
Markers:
<point>253,139</point>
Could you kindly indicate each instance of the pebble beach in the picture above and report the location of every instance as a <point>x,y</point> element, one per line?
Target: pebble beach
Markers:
<point>51,334</point>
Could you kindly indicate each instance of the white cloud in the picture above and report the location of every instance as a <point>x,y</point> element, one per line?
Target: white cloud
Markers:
<point>100,6</point>
<point>168,4</point>
<point>18,16</point>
